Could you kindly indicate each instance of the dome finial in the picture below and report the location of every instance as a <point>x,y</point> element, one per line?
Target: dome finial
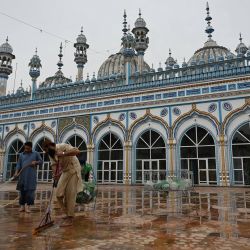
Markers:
<point>140,12</point>
<point>7,39</point>
<point>170,52</point>
<point>209,30</point>
<point>36,51</point>
<point>240,38</point>
<point>82,30</point>
<point>60,63</point>
<point>124,23</point>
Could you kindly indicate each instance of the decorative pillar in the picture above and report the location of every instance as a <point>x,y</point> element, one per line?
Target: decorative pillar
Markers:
<point>2,153</point>
<point>171,155</point>
<point>224,171</point>
<point>128,162</point>
<point>90,154</point>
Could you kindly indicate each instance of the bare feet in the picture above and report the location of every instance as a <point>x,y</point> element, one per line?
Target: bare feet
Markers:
<point>21,209</point>
<point>27,209</point>
<point>67,222</point>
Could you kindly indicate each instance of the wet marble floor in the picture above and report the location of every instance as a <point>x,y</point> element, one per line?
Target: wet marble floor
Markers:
<point>131,217</point>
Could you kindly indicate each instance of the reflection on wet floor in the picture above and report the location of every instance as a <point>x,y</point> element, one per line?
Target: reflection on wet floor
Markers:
<point>135,218</point>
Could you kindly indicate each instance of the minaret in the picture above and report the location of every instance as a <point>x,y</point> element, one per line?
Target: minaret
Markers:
<point>6,57</point>
<point>35,65</point>
<point>209,30</point>
<point>128,44</point>
<point>241,49</point>
<point>81,54</point>
<point>141,40</point>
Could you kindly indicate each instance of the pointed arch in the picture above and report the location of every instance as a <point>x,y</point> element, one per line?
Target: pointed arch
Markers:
<point>74,129</point>
<point>41,132</point>
<point>149,121</point>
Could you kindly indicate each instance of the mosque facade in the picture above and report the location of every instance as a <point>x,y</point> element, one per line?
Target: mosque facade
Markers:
<point>134,123</point>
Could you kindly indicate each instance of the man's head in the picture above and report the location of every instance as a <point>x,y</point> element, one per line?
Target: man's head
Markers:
<point>28,147</point>
<point>49,147</point>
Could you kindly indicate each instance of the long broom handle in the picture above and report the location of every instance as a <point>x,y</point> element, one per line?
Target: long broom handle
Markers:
<point>14,177</point>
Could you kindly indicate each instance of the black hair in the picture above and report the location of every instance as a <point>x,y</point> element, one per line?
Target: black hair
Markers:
<point>28,143</point>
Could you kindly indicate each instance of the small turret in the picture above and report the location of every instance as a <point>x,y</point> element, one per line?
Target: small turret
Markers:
<point>81,54</point>
<point>6,57</point>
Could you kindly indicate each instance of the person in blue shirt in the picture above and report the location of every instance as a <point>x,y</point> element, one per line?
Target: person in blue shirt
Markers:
<point>26,169</point>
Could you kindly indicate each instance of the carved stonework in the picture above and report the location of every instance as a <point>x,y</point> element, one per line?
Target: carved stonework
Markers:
<point>64,122</point>
<point>84,121</point>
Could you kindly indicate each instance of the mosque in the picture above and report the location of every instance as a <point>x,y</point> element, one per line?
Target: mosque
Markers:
<point>134,123</point>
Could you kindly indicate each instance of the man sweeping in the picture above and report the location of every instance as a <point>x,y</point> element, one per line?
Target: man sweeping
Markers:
<point>26,170</point>
<point>63,156</point>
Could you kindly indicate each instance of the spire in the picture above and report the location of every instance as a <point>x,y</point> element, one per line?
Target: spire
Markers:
<point>209,30</point>
<point>140,13</point>
<point>240,38</point>
<point>82,30</point>
<point>124,23</point>
<point>36,51</point>
<point>170,52</point>
<point>60,63</point>
<point>7,39</point>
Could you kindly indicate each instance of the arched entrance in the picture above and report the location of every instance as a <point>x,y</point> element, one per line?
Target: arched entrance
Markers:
<point>198,155</point>
<point>150,157</point>
<point>241,155</point>
<point>110,159</point>
<point>78,142</point>
<point>13,154</point>
<point>44,172</point>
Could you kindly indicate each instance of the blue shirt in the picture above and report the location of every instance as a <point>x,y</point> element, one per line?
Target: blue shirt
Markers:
<point>27,178</point>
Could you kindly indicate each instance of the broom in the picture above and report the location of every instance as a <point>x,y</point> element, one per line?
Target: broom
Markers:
<point>46,220</point>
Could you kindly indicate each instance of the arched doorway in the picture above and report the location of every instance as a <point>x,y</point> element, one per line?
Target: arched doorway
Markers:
<point>241,155</point>
<point>44,172</point>
<point>150,157</point>
<point>13,154</point>
<point>198,155</point>
<point>78,142</point>
<point>110,159</point>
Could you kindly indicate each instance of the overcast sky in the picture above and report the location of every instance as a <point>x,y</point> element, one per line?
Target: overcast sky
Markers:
<point>177,24</point>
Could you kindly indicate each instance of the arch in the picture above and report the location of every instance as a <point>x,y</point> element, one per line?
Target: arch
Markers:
<point>109,125</point>
<point>197,153</point>
<point>12,135</point>
<point>110,155</point>
<point>40,134</point>
<point>194,118</point>
<point>42,131</point>
<point>74,130</point>
<point>240,146</point>
<point>150,156</point>
<point>149,121</point>
<point>15,147</point>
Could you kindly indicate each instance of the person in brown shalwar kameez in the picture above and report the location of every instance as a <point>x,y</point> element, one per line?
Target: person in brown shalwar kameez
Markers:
<point>70,181</point>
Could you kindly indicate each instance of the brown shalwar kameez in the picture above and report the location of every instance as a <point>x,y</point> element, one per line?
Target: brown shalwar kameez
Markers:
<point>70,182</point>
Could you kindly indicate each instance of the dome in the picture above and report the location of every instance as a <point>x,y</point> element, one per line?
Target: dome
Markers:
<point>140,23</point>
<point>6,48</point>
<point>210,50</point>
<point>241,48</point>
<point>115,64</point>
<point>57,79</point>
<point>81,39</point>
<point>35,61</point>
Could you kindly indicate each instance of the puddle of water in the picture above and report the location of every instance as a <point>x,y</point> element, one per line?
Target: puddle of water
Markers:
<point>134,218</point>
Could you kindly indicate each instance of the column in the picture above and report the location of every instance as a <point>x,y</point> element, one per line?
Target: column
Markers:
<point>128,162</point>
<point>90,154</point>
<point>1,162</point>
<point>171,145</point>
<point>224,170</point>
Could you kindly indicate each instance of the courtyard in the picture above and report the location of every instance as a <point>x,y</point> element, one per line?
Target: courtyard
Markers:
<point>133,217</point>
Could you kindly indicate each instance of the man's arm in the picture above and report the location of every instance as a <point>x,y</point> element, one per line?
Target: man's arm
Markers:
<point>67,150</point>
<point>38,160</point>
